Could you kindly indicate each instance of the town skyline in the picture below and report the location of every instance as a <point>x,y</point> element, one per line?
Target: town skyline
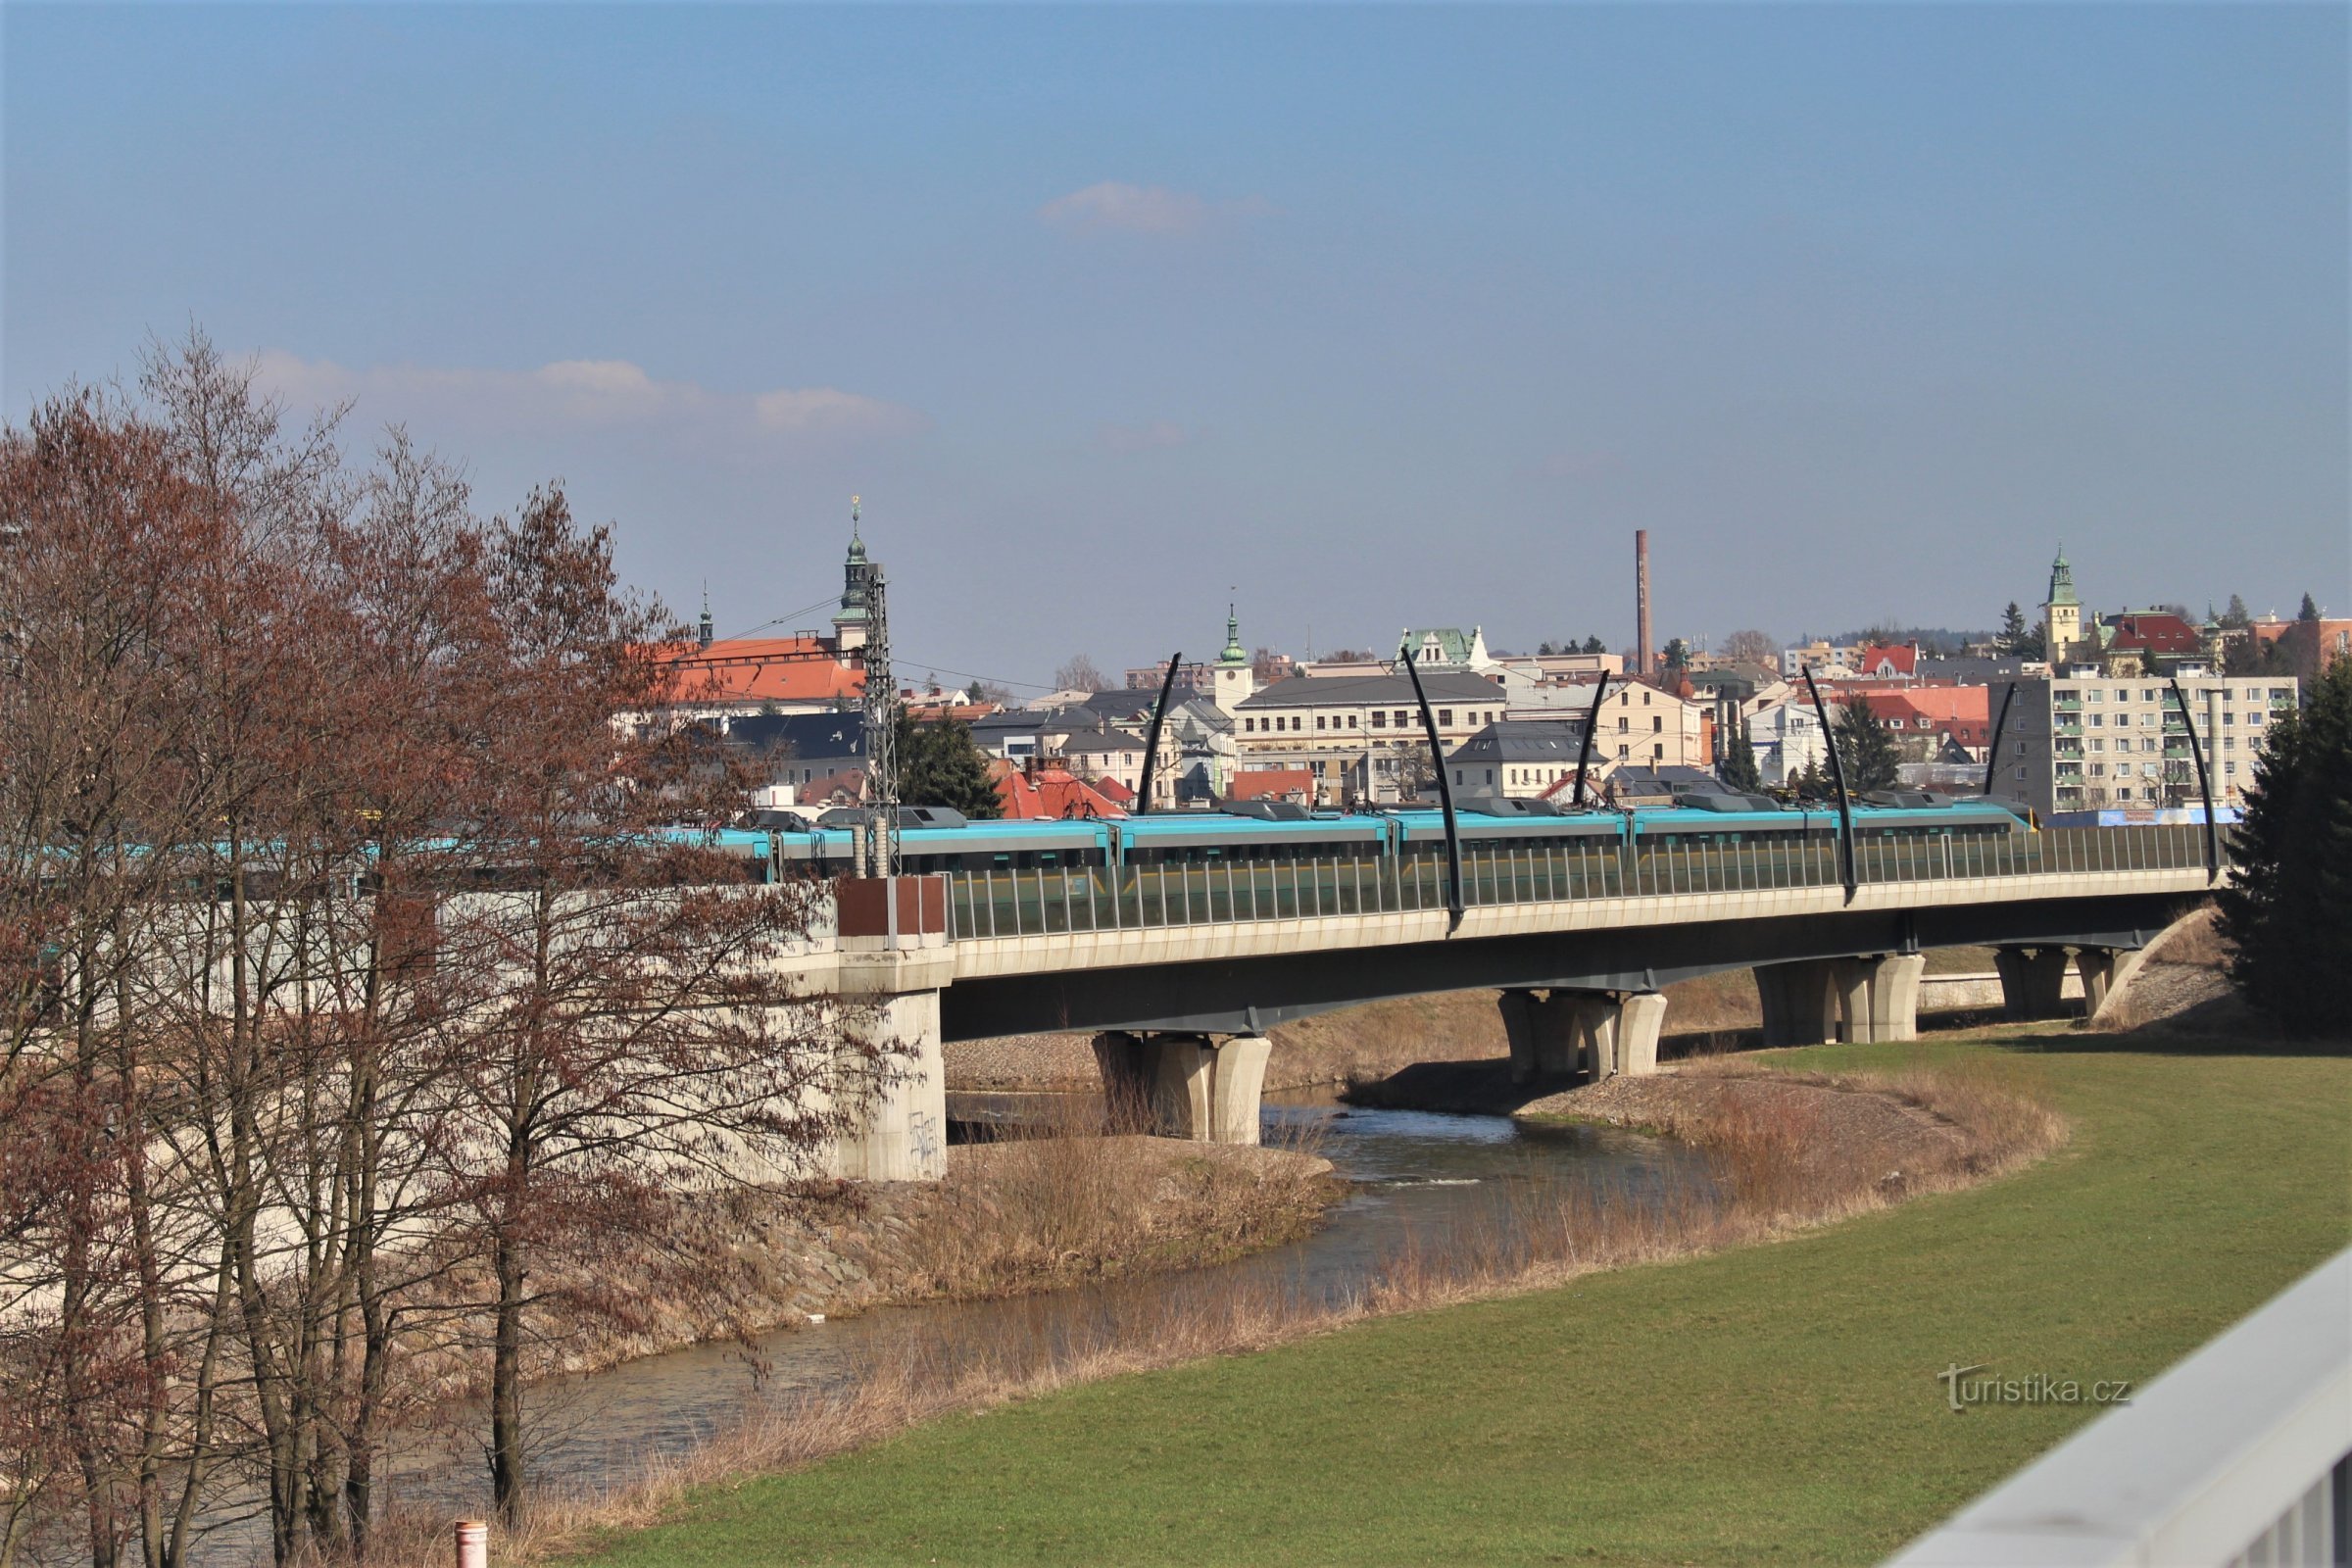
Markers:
<point>1861,312</point>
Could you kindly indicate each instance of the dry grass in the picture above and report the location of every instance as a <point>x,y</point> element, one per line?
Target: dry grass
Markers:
<point>1076,1203</point>
<point>1774,1149</point>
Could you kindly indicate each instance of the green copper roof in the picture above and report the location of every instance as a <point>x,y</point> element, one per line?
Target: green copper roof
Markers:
<point>1235,653</point>
<point>2062,581</point>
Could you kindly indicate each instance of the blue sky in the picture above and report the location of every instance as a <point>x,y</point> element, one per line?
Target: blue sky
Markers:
<point>1378,316</point>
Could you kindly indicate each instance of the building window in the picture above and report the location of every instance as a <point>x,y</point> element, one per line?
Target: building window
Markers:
<point>1624,752</point>
<point>1445,718</point>
<point>1351,721</point>
<point>1657,724</point>
<point>1318,721</point>
<point>1380,718</point>
<point>1457,775</point>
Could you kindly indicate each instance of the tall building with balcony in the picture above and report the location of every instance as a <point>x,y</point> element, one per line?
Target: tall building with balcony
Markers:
<point>2085,741</point>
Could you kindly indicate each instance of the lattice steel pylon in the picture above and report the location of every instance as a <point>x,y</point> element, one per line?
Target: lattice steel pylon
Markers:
<point>881,726</point>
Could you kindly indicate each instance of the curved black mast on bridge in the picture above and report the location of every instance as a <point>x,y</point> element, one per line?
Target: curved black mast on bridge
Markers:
<point>1993,751</point>
<point>1583,753</point>
<point>1159,713</point>
<point>1846,810</point>
<point>1437,757</point>
<point>2196,753</point>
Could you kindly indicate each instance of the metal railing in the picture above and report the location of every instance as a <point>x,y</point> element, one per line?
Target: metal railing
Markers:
<point>1044,901</point>
<point>2241,1455</point>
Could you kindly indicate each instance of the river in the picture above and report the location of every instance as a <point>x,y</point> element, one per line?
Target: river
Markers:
<point>1416,1179</point>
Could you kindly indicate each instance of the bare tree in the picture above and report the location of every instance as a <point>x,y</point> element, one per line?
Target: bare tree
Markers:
<point>641,1039</point>
<point>1079,674</point>
<point>1751,647</point>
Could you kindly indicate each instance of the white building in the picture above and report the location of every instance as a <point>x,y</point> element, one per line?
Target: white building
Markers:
<point>2079,740</point>
<point>1787,737</point>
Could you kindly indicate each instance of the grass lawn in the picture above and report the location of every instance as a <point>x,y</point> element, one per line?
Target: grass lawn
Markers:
<point>1778,1403</point>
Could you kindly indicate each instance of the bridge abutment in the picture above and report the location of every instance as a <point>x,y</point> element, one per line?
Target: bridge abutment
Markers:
<point>889,1076</point>
<point>891,1079</point>
<point>2106,971</point>
<point>1185,1085</point>
<point>1590,1034</point>
<point>1817,1000</point>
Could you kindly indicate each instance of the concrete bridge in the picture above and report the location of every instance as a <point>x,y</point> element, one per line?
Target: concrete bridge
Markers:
<point>1179,970</point>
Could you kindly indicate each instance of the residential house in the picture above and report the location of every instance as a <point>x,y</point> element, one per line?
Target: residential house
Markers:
<point>1522,760</point>
<point>1940,720</point>
<point>1788,740</point>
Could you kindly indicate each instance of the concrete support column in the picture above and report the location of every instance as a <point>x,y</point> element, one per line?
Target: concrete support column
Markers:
<point>2033,982</point>
<point>1640,1017</point>
<point>1879,998</point>
<point>1587,1034</point>
<point>1543,1036</point>
<point>1185,1085</point>
<point>2105,973</point>
<point>1800,1001</point>
<point>890,1079</point>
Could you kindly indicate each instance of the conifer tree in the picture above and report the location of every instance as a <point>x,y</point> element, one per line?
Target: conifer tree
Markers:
<point>2287,905</point>
<point>939,765</point>
<point>1866,749</point>
<point>1737,770</point>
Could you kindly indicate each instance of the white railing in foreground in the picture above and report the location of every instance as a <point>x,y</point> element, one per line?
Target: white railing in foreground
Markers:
<point>2240,1455</point>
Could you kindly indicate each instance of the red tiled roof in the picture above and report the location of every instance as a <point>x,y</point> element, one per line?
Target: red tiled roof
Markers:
<point>1963,713</point>
<point>1258,783</point>
<point>1051,794</point>
<point>764,670</point>
<point>1901,658</point>
<point>2158,632</point>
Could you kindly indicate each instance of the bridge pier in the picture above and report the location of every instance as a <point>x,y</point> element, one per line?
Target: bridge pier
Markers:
<point>1816,1000</point>
<point>1184,1084</point>
<point>2033,982</point>
<point>1589,1034</point>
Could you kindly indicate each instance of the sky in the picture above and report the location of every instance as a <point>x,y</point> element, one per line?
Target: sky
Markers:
<point>1363,317</point>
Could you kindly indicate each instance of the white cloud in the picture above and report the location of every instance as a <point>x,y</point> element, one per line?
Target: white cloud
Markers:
<point>1113,203</point>
<point>825,408</point>
<point>1157,436</point>
<point>575,394</point>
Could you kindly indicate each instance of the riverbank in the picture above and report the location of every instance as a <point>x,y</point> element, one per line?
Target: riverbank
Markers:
<point>1771,1172</point>
<point>1009,1220</point>
<point>1753,1403</point>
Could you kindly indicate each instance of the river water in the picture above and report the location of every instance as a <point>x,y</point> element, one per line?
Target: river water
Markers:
<point>1417,1180</point>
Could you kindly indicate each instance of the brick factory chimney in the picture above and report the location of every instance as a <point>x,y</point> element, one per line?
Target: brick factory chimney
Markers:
<point>1641,655</point>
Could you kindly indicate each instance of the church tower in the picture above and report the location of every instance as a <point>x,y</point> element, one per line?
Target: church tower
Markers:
<point>2060,614</point>
<point>1235,678</point>
<point>857,578</point>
